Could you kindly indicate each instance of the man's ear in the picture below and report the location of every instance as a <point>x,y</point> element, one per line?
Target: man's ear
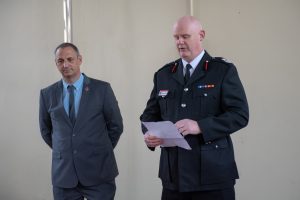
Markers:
<point>202,35</point>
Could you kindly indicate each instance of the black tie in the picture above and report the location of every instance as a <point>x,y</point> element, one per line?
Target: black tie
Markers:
<point>187,73</point>
<point>71,104</point>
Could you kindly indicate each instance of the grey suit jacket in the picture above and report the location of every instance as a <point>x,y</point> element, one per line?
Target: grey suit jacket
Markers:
<point>83,152</point>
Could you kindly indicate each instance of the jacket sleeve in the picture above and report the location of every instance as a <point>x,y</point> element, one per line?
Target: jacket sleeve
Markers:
<point>112,116</point>
<point>234,106</point>
<point>45,121</point>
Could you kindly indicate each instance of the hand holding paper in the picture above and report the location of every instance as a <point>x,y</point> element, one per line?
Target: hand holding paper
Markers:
<point>152,140</point>
<point>188,126</point>
<point>168,132</point>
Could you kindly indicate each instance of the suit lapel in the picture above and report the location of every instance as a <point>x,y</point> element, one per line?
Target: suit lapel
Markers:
<point>84,99</point>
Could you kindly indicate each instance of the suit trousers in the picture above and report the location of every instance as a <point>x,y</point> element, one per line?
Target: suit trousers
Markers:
<point>105,191</point>
<point>223,194</point>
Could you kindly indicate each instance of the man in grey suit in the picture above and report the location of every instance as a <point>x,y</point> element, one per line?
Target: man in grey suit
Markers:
<point>81,122</point>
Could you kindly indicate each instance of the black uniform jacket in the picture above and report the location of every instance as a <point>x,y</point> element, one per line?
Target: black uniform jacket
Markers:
<point>215,98</point>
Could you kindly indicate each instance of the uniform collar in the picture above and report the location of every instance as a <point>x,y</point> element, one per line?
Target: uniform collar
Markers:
<point>194,62</point>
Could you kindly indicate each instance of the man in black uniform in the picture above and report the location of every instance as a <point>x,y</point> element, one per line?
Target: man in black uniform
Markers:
<point>205,99</point>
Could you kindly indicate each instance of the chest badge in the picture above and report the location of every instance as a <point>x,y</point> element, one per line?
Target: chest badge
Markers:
<point>163,93</point>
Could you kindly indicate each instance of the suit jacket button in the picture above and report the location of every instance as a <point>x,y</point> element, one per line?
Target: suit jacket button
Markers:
<point>75,151</point>
<point>73,135</point>
<point>183,105</point>
<point>186,89</point>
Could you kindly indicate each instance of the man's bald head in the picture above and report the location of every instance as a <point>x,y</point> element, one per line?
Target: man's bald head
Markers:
<point>188,34</point>
<point>189,21</point>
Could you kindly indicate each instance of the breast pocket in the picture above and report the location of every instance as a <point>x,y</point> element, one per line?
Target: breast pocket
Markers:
<point>165,102</point>
<point>94,110</point>
<point>204,102</point>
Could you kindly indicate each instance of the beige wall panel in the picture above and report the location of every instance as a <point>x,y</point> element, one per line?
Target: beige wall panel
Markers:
<point>29,31</point>
<point>262,38</point>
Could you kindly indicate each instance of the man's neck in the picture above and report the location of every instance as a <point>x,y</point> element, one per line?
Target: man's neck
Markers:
<point>71,80</point>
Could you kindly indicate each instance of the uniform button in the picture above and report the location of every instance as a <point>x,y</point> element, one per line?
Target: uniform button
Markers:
<point>183,105</point>
<point>208,142</point>
<point>217,146</point>
<point>205,94</point>
<point>73,135</point>
<point>186,89</point>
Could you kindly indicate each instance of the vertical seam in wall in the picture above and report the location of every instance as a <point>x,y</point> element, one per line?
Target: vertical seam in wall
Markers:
<point>191,7</point>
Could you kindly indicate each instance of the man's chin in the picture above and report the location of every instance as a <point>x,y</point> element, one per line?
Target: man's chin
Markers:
<point>67,74</point>
<point>183,55</point>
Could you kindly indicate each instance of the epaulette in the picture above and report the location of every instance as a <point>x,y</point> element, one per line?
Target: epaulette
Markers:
<point>172,66</point>
<point>215,59</point>
<point>221,59</point>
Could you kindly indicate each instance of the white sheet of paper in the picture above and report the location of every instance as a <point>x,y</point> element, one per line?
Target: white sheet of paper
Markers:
<point>167,131</point>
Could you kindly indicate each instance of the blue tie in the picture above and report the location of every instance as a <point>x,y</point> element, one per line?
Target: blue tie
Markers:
<point>71,104</point>
<point>187,73</point>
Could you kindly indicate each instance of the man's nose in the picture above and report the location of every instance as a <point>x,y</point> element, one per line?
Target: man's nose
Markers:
<point>179,41</point>
<point>66,64</point>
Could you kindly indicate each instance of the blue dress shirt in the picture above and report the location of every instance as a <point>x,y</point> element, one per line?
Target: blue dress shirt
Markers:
<point>77,94</point>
